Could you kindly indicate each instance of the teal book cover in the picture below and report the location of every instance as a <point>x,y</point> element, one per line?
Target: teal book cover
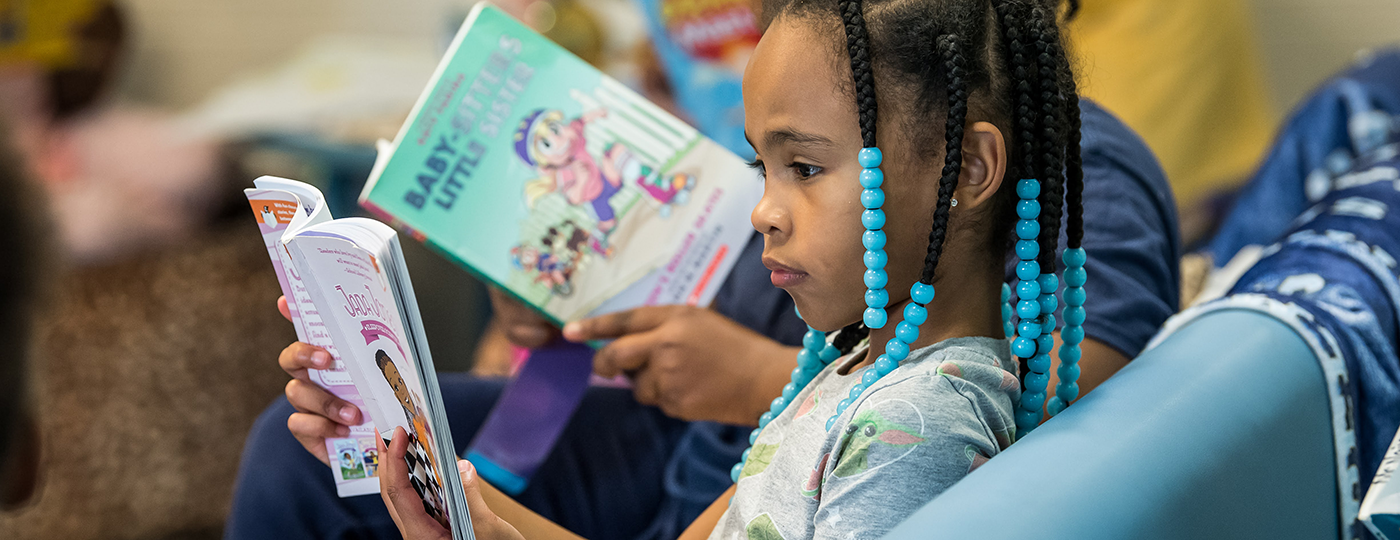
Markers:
<point>559,184</point>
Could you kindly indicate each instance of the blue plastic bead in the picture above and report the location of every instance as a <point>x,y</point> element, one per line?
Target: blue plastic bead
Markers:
<point>1022,347</point>
<point>1074,296</point>
<point>1028,329</point>
<point>807,359</point>
<point>1028,188</point>
<point>869,377</point>
<point>921,292</point>
<point>884,365</point>
<point>1075,257</point>
<point>872,198</point>
<point>813,340</point>
<point>1006,313</point>
<point>897,350</point>
<point>869,157</point>
<point>734,472</point>
<point>1069,354</point>
<point>856,392</point>
<point>843,405</point>
<point>1048,302</point>
<point>1005,292</point>
<point>1028,309</point>
<point>1054,405</point>
<point>875,318</point>
<point>1028,290</point>
<point>797,371</point>
<point>1047,324</point>
<point>1068,372</point>
<point>906,332</point>
<point>1039,363</point>
<point>1048,283</point>
<point>876,259</point>
<point>873,239</point>
<point>829,353</point>
<point>777,405</point>
<point>765,419</point>
<point>875,279</point>
<point>873,219</point>
<point>1032,401</point>
<point>1067,391</point>
<point>1027,249</point>
<point>1074,315</point>
<point>915,314</point>
<point>1044,343</point>
<point>1072,335</point>
<point>789,391</point>
<point>1036,382</point>
<point>1028,209</point>
<point>1075,277</point>
<point>753,435</point>
<point>871,178</point>
<point>1026,229</point>
<point>877,298</point>
<point>1025,421</point>
<point>1007,329</point>
<point>1028,271</point>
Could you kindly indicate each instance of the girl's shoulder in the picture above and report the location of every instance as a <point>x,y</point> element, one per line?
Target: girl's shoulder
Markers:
<point>964,380</point>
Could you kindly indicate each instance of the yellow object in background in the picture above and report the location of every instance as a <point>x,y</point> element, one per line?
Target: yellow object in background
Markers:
<point>1187,76</point>
<point>42,31</point>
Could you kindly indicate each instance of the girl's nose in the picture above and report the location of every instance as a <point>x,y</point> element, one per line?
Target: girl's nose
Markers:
<point>770,217</point>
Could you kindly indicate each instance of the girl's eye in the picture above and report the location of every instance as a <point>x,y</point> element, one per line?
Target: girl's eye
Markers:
<point>757,165</point>
<point>804,170</point>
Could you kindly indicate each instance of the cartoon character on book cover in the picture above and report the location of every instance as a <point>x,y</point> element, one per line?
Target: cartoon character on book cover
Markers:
<point>554,258</point>
<point>423,470</point>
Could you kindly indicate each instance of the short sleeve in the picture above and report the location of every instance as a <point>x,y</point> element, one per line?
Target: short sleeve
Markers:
<point>905,444</point>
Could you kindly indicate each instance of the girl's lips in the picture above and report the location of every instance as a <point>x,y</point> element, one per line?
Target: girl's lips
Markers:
<point>783,279</point>
<point>784,276</point>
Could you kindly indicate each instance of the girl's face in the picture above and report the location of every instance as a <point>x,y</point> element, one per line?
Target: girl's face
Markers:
<point>801,120</point>
<point>553,142</point>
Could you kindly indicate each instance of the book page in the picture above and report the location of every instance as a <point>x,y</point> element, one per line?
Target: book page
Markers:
<point>354,297</point>
<point>354,459</point>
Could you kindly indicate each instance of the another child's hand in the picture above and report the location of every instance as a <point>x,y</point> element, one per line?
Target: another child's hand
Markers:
<point>320,415</point>
<point>691,362</point>
<point>522,326</point>
<point>407,508</point>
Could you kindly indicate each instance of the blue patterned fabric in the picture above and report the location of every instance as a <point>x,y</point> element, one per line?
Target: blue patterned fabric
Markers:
<point>1350,122</point>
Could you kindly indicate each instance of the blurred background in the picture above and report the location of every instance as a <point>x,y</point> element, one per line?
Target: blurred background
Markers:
<point>143,120</point>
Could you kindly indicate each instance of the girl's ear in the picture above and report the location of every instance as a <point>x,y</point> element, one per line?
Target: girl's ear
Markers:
<point>983,166</point>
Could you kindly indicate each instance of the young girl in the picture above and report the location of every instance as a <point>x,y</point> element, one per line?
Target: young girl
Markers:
<point>977,119</point>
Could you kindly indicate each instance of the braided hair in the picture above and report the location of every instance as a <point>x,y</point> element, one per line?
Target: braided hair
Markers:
<point>997,60</point>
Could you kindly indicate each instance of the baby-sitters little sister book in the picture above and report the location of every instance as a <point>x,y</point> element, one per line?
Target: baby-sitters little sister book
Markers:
<point>559,184</point>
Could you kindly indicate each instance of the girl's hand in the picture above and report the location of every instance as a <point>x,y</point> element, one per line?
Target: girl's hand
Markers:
<point>407,508</point>
<point>320,415</point>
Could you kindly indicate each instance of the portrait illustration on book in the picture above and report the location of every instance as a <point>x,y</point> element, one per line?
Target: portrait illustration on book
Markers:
<point>424,474</point>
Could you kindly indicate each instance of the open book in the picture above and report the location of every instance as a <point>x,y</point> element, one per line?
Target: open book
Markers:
<point>559,184</point>
<point>352,274</point>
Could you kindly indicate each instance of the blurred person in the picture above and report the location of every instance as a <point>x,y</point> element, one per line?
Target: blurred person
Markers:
<point>21,284</point>
<point>1187,76</point>
<point>119,177</point>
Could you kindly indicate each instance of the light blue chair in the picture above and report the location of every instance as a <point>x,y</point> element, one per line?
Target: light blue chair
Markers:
<point>1222,431</point>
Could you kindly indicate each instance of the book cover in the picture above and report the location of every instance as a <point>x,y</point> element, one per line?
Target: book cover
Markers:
<point>282,205</point>
<point>1380,510</point>
<point>559,184</point>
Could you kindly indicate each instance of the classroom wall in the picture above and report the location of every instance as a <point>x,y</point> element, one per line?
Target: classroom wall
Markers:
<point>1304,41</point>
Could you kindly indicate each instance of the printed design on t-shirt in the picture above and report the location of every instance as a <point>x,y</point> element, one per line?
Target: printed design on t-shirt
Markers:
<point>874,439</point>
<point>951,369</point>
<point>1008,381</point>
<point>813,487</point>
<point>759,457</point>
<point>813,399</point>
<point>763,528</point>
<point>974,457</point>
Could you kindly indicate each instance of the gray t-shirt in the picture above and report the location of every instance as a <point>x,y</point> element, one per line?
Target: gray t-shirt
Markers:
<point>943,412</point>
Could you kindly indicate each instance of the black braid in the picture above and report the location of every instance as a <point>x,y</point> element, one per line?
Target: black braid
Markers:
<point>858,45</point>
<point>1074,162</point>
<point>849,337</point>
<point>1024,117</point>
<point>956,72</point>
<point>1052,142</point>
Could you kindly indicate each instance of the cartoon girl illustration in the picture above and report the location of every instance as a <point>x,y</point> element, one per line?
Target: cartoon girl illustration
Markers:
<point>557,149</point>
<point>418,438</point>
<point>549,268</point>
